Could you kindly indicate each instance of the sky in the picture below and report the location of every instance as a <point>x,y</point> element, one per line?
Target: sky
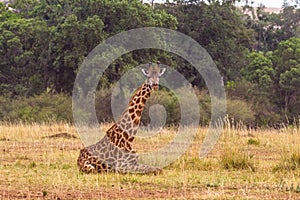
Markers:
<point>267,3</point>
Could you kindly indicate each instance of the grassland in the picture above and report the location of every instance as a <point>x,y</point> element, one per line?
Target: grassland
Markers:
<point>38,161</point>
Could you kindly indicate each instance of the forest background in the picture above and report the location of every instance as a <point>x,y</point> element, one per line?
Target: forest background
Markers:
<point>43,43</point>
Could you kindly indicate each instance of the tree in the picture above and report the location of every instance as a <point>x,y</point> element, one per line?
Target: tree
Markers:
<point>44,42</point>
<point>260,70</point>
<point>272,28</point>
<point>219,28</point>
<point>257,87</point>
<point>286,61</point>
<point>22,48</point>
<point>72,40</point>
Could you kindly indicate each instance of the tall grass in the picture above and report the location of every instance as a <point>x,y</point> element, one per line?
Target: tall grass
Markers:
<point>262,163</point>
<point>237,159</point>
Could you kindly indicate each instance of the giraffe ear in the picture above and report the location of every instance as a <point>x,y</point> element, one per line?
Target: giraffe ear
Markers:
<point>162,71</point>
<point>145,73</point>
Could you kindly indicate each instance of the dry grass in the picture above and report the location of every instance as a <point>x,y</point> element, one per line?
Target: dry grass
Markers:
<point>245,164</point>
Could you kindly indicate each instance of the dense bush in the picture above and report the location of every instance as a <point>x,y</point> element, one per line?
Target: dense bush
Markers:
<point>163,105</point>
<point>166,104</point>
<point>165,98</point>
<point>240,111</point>
<point>41,108</point>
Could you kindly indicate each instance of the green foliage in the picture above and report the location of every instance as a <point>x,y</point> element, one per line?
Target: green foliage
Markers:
<point>287,64</point>
<point>43,43</point>
<point>103,105</point>
<point>169,101</point>
<point>240,111</point>
<point>272,28</point>
<point>205,107</point>
<point>275,80</point>
<point>253,141</point>
<point>289,162</point>
<point>22,40</point>
<point>237,160</point>
<point>219,29</point>
<point>161,97</point>
<point>69,46</point>
<point>260,70</point>
<point>42,108</point>
<point>290,79</point>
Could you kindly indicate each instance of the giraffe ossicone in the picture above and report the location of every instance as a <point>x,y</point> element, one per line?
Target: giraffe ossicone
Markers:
<point>114,152</point>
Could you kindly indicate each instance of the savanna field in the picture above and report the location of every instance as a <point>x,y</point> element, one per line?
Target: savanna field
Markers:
<point>38,161</point>
<point>44,45</point>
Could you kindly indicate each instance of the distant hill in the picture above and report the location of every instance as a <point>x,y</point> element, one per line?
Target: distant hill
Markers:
<point>268,10</point>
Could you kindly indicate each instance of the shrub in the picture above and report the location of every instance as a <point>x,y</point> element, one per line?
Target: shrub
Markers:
<point>103,105</point>
<point>236,160</point>
<point>40,108</point>
<point>289,162</point>
<point>170,103</point>
<point>163,97</point>
<point>252,141</point>
<point>240,111</point>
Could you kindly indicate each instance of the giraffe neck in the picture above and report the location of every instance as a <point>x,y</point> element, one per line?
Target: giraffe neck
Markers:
<point>137,103</point>
<point>122,133</point>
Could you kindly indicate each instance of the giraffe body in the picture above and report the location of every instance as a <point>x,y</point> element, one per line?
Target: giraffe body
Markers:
<point>104,156</point>
<point>114,152</point>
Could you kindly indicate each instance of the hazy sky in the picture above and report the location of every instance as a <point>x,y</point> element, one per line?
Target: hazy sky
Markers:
<point>267,3</point>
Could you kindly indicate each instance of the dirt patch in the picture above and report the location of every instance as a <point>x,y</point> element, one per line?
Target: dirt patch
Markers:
<point>62,135</point>
<point>134,193</point>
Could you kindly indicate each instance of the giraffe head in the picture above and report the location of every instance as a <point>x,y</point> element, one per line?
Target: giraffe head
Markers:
<point>153,73</point>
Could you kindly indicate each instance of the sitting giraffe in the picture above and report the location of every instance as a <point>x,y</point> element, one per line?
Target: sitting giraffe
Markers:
<point>114,153</point>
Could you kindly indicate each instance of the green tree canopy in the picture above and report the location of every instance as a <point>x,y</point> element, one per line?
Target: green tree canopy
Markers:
<point>260,70</point>
<point>286,61</point>
<point>219,28</point>
<point>44,42</point>
<point>22,51</point>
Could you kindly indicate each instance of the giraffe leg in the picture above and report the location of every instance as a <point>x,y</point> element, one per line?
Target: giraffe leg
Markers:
<point>138,169</point>
<point>128,163</point>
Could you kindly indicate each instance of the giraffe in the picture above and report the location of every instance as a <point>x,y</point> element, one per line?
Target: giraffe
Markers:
<point>114,152</point>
